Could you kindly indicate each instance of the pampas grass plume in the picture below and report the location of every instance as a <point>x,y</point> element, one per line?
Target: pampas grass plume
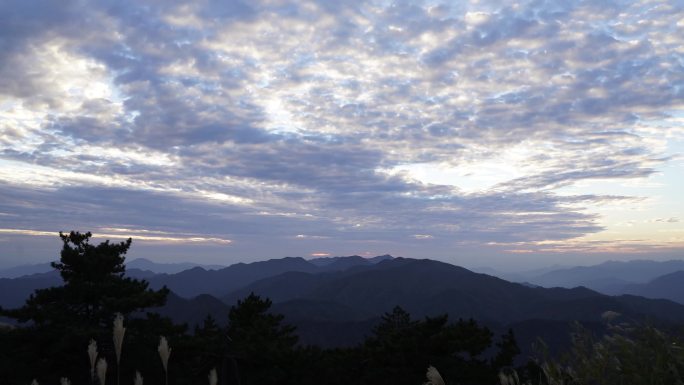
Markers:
<point>92,354</point>
<point>118,334</point>
<point>433,377</point>
<point>508,376</point>
<point>164,353</point>
<point>138,379</point>
<point>102,370</point>
<point>213,378</point>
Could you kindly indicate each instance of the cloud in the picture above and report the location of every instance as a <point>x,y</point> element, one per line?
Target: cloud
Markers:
<point>140,235</point>
<point>337,121</point>
<point>667,220</point>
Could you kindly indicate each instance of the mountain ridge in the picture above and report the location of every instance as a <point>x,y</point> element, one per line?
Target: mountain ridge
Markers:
<point>335,307</point>
<point>635,271</point>
<point>426,287</point>
<point>669,286</point>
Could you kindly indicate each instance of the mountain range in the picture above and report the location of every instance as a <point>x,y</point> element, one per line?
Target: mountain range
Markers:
<point>335,301</point>
<point>196,281</point>
<point>137,263</point>
<point>638,277</point>
<point>637,271</point>
<point>668,286</point>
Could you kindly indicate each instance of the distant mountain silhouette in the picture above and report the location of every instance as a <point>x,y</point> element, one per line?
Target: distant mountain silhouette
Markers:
<point>517,276</point>
<point>139,274</point>
<point>426,287</point>
<point>138,263</point>
<point>608,277</point>
<point>15,291</point>
<point>668,286</point>
<point>380,258</point>
<point>166,268</point>
<point>196,281</point>
<point>20,271</point>
<point>294,285</point>
<point>341,263</point>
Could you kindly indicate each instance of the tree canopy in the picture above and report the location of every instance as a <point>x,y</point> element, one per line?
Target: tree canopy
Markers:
<point>262,344</point>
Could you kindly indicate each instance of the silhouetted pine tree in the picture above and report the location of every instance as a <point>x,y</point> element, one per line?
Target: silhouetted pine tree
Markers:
<point>59,321</point>
<point>262,345</point>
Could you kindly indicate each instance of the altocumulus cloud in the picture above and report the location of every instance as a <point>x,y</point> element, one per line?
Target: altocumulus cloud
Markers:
<point>418,128</point>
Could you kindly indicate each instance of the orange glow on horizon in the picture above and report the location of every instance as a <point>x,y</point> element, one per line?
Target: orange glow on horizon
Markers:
<point>320,254</point>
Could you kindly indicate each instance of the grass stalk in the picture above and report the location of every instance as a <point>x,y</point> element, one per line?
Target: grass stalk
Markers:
<point>164,353</point>
<point>118,335</point>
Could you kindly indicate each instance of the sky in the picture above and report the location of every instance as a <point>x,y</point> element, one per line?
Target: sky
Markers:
<point>481,133</point>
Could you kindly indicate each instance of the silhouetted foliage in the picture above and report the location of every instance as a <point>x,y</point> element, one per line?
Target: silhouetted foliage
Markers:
<point>630,354</point>
<point>508,350</point>
<point>261,343</point>
<point>400,349</point>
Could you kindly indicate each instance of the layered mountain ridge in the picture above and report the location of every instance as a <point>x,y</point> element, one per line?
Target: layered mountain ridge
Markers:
<point>336,300</point>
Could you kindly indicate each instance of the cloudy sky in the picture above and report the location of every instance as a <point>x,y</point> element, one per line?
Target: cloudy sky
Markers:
<point>480,133</point>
